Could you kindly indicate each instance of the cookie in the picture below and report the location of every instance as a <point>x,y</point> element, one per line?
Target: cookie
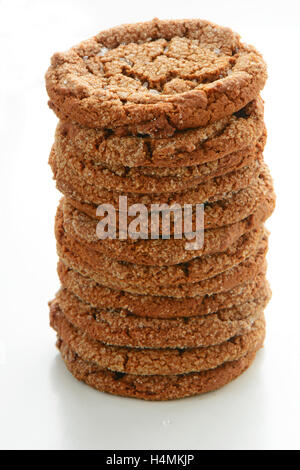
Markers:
<point>155,361</point>
<point>128,274</point>
<point>159,252</point>
<point>87,198</point>
<point>157,387</point>
<point>95,175</point>
<point>181,155</point>
<point>223,209</point>
<point>204,171</point>
<point>159,307</point>
<point>240,273</point>
<point>77,190</point>
<point>119,328</point>
<point>164,252</point>
<point>74,184</point>
<point>155,77</point>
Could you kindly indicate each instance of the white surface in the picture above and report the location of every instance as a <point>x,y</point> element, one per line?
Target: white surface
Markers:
<point>42,406</point>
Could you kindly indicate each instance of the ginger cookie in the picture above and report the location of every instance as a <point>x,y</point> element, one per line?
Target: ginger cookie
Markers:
<point>173,251</point>
<point>166,157</point>
<point>119,328</point>
<point>238,274</point>
<point>223,209</point>
<point>128,275</point>
<point>136,185</point>
<point>159,252</point>
<point>155,77</point>
<point>74,187</point>
<point>191,271</point>
<point>159,307</point>
<point>155,361</point>
<point>72,182</point>
<point>157,387</point>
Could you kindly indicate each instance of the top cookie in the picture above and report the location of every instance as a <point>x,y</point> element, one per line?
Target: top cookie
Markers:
<point>155,78</point>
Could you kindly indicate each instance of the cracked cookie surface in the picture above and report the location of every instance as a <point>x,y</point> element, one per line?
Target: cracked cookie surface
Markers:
<point>131,274</point>
<point>155,77</point>
<point>162,252</point>
<point>119,328</point>
<point>138,187</point>
<point>155,361</point>
<point>141,305</point>
<point>157,387</point>
<point>192,147</point>
<point>240,273</point>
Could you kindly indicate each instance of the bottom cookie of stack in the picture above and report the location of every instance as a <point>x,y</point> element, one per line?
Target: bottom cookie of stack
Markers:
<point>193,364</point>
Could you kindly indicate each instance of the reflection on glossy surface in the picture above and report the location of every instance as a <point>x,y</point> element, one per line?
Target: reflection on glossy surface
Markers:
<point>97,420</point>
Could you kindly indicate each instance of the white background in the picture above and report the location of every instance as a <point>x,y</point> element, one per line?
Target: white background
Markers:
<point>41,405</point>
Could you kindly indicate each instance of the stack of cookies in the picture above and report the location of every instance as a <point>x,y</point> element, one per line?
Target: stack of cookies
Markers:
<point>163,112</point>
